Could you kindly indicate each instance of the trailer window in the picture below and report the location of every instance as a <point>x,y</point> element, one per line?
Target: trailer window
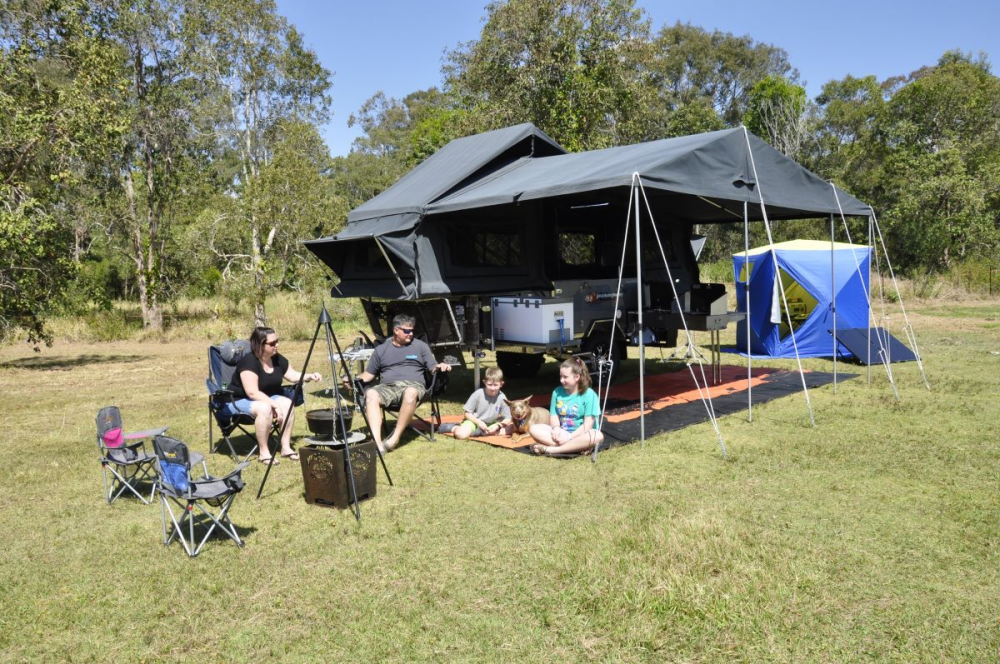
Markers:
<point>490,246</point>
<point>577,248</point>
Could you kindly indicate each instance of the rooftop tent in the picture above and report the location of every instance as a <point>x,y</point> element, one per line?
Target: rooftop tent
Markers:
<point>472,217</point>
<point>805,268</point>
<point>379,247</point>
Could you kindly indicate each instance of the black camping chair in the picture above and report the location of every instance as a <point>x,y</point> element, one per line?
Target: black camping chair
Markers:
<point>222,360</point>
<point>123,456</point>
<point>194,499</point>
<point>437,383</point>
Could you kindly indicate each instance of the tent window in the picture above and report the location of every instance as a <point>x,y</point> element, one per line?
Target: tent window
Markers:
<point>801,303</point>
<point>494,245</point>
<point>579,249</point>
<point>746,270</point>
<point>369,259</point>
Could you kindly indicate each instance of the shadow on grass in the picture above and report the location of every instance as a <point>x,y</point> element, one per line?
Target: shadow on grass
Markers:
<point>201,525</point>
<point>66,363</point>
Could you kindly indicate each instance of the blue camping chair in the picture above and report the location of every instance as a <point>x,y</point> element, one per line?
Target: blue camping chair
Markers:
<point>193,499</point>
<point>222,360</point>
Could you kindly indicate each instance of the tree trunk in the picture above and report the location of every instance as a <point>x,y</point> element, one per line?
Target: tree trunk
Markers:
<point>152,314</point>
<point>259,287</point>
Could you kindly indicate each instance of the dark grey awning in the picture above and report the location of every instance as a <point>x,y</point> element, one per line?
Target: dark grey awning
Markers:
<point>715,165</point>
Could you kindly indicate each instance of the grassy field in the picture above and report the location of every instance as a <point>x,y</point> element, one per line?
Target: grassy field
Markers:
<point>871,537</point>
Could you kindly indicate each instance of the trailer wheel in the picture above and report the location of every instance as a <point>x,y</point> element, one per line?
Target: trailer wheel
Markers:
<point>519,365</point>
<point>598,345</point>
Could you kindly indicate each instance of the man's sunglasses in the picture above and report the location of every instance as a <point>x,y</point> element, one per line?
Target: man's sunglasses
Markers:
<point>272,344</point>
<point>405,330</point>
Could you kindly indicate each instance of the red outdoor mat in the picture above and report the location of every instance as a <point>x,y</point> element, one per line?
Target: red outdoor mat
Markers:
<point>673,401</point>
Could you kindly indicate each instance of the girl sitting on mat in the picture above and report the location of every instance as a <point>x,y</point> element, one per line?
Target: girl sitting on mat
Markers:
<point>573,412</point>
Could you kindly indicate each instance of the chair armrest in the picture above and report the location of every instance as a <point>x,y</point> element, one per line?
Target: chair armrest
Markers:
<point>146,433</point>
<point>220,397</point>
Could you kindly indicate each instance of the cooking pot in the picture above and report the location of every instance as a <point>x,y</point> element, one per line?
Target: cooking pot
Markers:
<point>322,422</point>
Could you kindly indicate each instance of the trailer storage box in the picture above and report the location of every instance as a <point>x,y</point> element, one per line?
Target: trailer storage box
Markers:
<point>533,320</point>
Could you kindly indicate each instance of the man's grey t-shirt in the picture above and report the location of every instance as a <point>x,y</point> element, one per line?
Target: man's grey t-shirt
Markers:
<point>396,363</point>
<point>487,409</point>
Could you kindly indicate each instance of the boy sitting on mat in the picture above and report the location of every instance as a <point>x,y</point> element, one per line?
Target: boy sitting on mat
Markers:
<point>486,412</point>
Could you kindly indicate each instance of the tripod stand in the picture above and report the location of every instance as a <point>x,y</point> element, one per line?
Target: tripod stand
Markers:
<point>331,342</point>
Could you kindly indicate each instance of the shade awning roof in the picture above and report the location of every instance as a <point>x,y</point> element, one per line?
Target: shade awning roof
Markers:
<point>716,166</point>
<point>449,167</point>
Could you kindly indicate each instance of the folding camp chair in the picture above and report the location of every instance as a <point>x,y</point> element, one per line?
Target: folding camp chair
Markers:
<point>128,462</point>
<point>437,383</point>
<point>194,499</point>
<point>222,360</point>
<point>123,456</point>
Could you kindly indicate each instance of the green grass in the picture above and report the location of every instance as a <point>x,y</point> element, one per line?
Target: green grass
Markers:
<point>871,537</point>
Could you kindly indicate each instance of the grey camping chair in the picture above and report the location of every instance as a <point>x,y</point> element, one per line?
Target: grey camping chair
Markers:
<point>194,500</point>
<point>125,463</point>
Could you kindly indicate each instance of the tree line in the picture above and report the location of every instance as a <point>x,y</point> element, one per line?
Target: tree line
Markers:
<point>153,149</point>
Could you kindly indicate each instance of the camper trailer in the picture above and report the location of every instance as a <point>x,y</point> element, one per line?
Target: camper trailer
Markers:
<point>504,241</point>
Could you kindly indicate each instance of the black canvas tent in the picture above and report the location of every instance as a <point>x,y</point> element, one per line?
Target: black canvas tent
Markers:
<point>476,216</point>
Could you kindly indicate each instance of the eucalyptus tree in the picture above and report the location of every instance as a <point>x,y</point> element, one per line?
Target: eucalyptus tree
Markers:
<point>58,112</point>
<point>292,195</point>
<point>776,111</point>
<point>941,175</point>
<point>695,67</point>
<point>578,69</point>
<point>159,144</point>
<point>924,149</point>
<point>264,77</point>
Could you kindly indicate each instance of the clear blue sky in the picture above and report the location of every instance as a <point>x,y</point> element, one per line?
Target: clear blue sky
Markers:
<point>397,45</point>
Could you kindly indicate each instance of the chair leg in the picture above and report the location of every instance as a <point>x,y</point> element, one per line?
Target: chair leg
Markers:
<point>124,481</point>
<point>221,521</point>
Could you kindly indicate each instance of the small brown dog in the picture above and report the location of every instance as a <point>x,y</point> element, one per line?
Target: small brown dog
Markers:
<point>524,415</point>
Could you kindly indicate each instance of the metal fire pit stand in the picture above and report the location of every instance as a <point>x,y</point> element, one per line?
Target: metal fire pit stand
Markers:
<point>331,341</point>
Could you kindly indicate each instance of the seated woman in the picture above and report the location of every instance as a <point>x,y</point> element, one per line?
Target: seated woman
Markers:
<point>257,391</point>
<point>573,412</point>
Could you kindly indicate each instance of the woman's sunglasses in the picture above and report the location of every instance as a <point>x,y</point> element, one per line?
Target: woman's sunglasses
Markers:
<point>272,344</point>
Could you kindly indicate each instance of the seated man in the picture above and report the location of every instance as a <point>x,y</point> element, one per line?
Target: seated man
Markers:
<point>400,360</point>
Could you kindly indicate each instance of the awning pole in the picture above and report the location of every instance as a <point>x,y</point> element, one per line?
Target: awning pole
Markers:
<point>638,288</point>
<point>777,275</point>
<point>391,266</point>
<point>833,298</point>
<point>871,310</point>
<point>746,272</point>
<point>691,353</point>
<point>910,334</point>
<point>614,322</point>
<point>883,355</point>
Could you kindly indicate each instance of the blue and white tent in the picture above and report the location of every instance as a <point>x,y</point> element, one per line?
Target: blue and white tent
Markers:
<point>810,272</point>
